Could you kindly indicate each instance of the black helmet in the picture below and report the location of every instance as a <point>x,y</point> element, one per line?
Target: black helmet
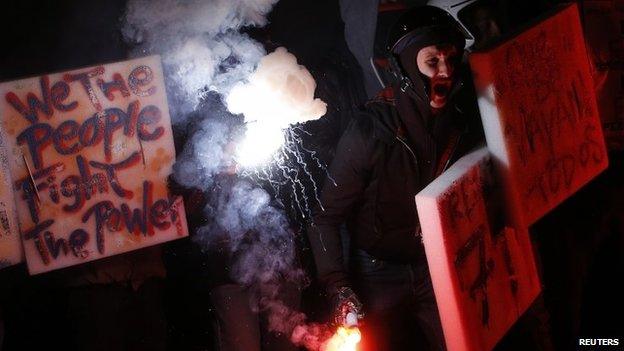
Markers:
<point>425,26</point>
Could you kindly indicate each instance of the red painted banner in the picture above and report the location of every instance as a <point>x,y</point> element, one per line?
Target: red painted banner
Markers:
<point>483,272</point>
<point>90,151</point>
<point>540,115</point>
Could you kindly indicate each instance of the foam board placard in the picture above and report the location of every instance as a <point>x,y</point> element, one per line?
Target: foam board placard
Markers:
<point>539,114</point>
<point>483,271</point>
<point>90,151</point>
<point>10,244</point>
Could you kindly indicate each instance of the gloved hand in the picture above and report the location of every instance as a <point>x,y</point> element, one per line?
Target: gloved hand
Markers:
<point>347,308</point>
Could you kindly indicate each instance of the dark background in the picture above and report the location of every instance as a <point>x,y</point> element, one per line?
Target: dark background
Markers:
<point>580,245</point>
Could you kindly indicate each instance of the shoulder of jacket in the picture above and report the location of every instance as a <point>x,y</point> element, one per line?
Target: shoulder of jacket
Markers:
<point>371,126</point>
<point>364,124</point>
<point>385,96</point>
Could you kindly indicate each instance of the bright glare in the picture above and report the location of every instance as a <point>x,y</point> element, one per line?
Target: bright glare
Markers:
<point>279,93</point>
<point>260,143</point>
<point>345,339</point>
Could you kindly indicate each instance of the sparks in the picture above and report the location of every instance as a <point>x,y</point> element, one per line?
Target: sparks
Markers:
<point>290,167</point>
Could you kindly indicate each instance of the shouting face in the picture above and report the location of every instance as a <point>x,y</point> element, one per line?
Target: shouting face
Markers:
<point>438,63</point>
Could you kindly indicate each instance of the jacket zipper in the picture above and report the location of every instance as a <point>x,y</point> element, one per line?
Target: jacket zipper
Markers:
<point>408,149</point>
<point>419,230</point>
<point>419,233</point>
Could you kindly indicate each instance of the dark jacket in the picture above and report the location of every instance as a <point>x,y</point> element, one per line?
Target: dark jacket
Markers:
<point>385,157</point>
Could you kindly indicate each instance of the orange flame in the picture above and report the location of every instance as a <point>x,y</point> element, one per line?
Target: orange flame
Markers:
<point>344,339</point>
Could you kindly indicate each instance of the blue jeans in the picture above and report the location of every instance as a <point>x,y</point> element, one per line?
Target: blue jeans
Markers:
<point>399,304</point>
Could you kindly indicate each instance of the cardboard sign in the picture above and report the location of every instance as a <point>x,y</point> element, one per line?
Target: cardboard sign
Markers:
<point>540,115</point>
<point>10,245</point>
<point>90,152</point>
<point>483,272</point>
<point>604,29</point>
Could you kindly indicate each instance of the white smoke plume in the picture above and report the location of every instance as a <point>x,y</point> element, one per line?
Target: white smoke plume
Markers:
<point>280,90</point>
<point>207,62</point>
<point>257,235</point>
<point>199,43</point>
<point>278,94</point>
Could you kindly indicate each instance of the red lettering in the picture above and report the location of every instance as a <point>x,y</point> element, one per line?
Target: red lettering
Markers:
<point>141,77</point>
<point>84,79</point>
<point>34,103</point>
<point>37,137</point>
<point>34,234</point>
<point>60,92</point>
<point>149,115</point>
<point>66,132</point>
<point>117,84</point>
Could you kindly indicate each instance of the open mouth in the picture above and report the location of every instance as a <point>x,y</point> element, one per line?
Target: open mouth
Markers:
<point>440,89</point>
<point>439,92</point>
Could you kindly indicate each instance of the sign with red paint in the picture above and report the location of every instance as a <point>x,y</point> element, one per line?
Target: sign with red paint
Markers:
<point>539,113</point>
<point>604,28</point>
<point>483,272</point>
<point>10,245</point>
<point>90,151</point>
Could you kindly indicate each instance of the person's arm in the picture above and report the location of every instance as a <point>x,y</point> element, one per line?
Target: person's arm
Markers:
<point>349,172</point>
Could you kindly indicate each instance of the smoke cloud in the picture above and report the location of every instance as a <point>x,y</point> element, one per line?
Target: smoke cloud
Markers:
<point>213,72</point>
<point>199,43</point>
<point>279,93</point>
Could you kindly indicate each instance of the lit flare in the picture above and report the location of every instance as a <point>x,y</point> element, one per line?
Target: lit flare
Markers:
<point>344,339</point>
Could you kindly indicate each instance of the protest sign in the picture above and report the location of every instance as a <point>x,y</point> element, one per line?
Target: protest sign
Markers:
<point>10,245</point>
<point>483,271</point>
<point>539,113</point>
<point>90,151</point>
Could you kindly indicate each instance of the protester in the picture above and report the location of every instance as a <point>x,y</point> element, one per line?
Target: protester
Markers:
<point>405,138</point>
